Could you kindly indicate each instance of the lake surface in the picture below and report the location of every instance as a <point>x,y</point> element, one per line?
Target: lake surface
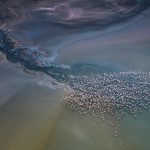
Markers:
<point>32,111</point>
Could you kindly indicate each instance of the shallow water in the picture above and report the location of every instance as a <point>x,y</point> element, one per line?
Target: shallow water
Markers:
<point>126,47</point>
<point>34,118</point>
<point>32,114</point>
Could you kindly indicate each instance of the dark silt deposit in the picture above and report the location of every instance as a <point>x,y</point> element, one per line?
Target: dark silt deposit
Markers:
<point>28,57</point>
